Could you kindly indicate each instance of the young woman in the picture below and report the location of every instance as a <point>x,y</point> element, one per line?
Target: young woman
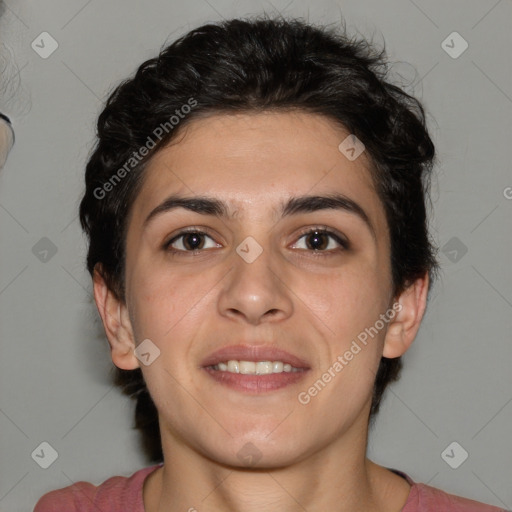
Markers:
<point>258,243</point>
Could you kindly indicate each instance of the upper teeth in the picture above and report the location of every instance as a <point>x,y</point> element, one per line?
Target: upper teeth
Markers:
<point>255,368</point>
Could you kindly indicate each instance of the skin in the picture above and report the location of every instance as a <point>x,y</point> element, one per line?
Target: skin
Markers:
<point>313,456</point>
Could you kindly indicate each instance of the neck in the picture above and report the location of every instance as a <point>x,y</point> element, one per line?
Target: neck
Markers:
<point>338,477</point>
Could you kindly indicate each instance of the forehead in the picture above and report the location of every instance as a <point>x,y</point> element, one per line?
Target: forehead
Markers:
<point>255,161</point>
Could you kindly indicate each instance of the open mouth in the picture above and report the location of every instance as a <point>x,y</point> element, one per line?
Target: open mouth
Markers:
<point>255,369</point>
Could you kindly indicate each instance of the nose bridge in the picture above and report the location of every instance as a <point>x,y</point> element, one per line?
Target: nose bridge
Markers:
<point>254,289</point>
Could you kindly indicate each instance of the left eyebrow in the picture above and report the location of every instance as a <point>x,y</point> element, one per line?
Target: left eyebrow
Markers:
<point>293,206</point>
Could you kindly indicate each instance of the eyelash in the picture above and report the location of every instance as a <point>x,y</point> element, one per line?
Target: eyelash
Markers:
<point>309,231</point>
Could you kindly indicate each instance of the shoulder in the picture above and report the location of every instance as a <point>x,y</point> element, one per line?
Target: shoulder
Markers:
<point>424,498</point>
<point>125,493</point>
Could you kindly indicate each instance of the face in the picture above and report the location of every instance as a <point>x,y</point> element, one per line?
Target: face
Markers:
<point>258,272</point>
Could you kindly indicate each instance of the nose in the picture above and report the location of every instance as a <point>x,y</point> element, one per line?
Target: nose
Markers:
<point>255,292</point>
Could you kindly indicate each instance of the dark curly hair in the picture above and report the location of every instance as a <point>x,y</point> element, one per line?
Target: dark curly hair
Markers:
<point>253,65</point>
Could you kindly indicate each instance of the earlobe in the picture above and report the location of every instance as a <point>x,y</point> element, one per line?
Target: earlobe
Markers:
<point>394,343</point>
<point>403,329</point>
<point>116,322</point>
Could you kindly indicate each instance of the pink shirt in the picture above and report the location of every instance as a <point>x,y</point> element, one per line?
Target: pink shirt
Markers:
<point>123,494</point>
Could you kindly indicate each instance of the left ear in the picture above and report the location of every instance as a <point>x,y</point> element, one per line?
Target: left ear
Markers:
<point>401,332</point>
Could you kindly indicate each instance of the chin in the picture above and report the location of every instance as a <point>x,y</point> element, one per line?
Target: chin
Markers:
<point>256,452</point>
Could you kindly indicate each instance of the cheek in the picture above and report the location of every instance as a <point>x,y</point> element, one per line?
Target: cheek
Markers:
<point>347,300</point>
<point>158,301</point>
<point>170,306</point>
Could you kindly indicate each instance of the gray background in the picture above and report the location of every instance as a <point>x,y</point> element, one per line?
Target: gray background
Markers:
<point>54,366</point>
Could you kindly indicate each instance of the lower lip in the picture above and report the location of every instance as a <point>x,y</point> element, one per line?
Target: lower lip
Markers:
<point>256,383</point>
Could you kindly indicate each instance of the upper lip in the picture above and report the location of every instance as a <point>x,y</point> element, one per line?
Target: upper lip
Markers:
<point>253,353</point>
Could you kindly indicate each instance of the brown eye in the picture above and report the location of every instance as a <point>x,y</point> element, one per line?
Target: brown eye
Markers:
<point>321,240</point>
<point>317,240</point>
<point>190,241</point>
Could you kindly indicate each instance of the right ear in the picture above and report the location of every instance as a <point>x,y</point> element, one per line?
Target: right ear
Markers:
<point>116,321</point>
